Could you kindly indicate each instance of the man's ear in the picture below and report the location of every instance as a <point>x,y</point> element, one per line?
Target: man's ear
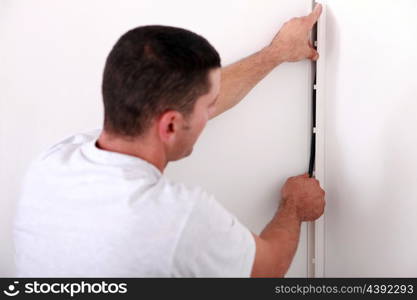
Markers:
<point>169,124</point>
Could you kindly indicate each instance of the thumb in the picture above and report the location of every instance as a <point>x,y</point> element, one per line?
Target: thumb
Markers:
<point>314,15</point>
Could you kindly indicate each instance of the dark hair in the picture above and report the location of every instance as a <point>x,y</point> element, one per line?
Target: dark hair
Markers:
<point>152,69</point>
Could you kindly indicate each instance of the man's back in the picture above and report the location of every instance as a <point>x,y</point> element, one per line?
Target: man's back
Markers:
<point>85,211</point>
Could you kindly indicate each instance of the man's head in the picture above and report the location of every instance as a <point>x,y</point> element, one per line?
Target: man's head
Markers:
<point>163,81</point>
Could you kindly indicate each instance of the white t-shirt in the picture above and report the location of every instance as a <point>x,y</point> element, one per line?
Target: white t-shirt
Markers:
<point>88,212</point>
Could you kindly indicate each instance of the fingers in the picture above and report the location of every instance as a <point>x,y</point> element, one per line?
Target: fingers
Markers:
<point>312,179</point>
<point>313,55</point>
<point>312,19</point>
<point>306,176</point>
<point>314,15</point>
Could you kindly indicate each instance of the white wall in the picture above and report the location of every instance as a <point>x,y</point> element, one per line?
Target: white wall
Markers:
<point>51,60</point>
<point>371,139</point>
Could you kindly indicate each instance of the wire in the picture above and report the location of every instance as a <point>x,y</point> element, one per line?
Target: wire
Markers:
<point>313,125</point>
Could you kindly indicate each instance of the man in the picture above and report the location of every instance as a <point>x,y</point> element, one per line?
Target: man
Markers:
<point>97,203</point>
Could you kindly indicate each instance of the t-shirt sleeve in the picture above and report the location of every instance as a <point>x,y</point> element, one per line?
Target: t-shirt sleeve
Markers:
<point>213,243</point>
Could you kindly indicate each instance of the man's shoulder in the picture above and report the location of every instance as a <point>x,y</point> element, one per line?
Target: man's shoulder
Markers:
<point>57,154</point>
<point>74,139</point>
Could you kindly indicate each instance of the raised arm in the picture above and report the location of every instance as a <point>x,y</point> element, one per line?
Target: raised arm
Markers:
<point>290,44</point>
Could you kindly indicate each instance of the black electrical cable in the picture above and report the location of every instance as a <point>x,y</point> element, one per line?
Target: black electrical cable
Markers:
<point>313,125</point>
<point>313,137</point>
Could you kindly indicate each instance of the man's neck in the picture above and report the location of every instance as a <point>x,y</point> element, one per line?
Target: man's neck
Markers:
<point>142,148</point>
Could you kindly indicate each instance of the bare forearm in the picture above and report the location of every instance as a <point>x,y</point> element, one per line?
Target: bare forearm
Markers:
<point>282,234</point>
<point>240,77</point>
